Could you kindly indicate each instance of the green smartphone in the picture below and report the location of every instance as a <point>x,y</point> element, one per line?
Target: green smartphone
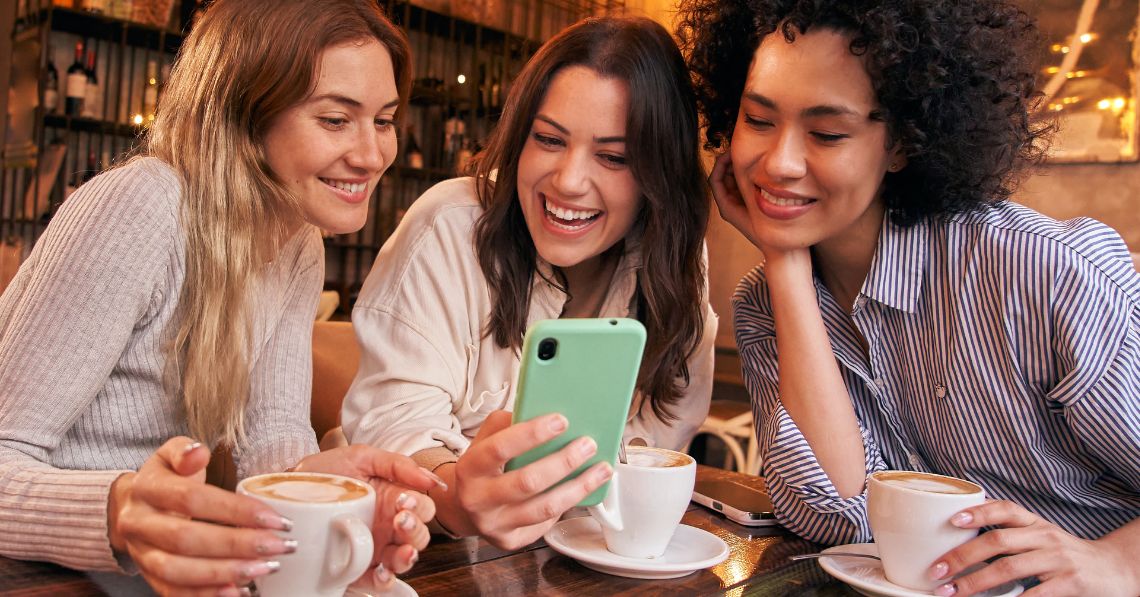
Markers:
<point>585,369</point>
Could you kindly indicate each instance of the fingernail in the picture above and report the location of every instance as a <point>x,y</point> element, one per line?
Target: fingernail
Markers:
<point>939,570</point>
<point>228,592</point>
<point>245,592</point>
<point>415,557</point>
<point>434,477</point>
<point>946,590</point>
<point>382,575</point>
<point>605,473</point>
<point>557,423</point>
<point>585,446</point>
<point>407,521</point>
<point>961,519</point>
<point>278,546</point>
<point>259,569</point>
<point>270,520</point>
<point>191,447</point>
<point>405,502</point>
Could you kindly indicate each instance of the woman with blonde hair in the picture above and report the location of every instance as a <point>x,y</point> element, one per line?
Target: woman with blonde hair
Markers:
<point>174,296</point>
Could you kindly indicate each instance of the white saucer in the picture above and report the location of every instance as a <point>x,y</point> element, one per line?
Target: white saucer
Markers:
<point>398,588</point>
<point>866,576</point>
<point>689,550</point>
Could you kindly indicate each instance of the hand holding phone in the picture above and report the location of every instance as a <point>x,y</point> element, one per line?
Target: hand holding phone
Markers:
<point>585,369</point>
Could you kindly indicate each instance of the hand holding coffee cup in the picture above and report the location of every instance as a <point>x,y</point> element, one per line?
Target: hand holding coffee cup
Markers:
<point>648,495</point>
<point>910,516</point>
<point>332,520</point>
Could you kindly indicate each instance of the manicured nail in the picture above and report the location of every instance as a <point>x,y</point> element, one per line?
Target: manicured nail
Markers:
<point>382,575</point>
<point>412,559</point>
<point>191,447</point>
<point>604,473</point>
<point>939,570</point>
<point>405,501</point>
<point>259,569</point>
<point>406,521</point>
<point>271,520</point>
<point>585,446</point>
<point>557,423</point>
<point>245,592</point>
<point>961,519</point>
<point>434,477</point>
<point>278,546</point>
<point>946,590</point>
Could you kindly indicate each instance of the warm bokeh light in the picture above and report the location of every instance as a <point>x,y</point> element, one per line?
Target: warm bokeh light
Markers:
<point>137,119</point>
<point>461,78</point>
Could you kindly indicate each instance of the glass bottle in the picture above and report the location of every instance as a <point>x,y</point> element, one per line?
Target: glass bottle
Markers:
<point>94,98</point>
<point>76,83</point>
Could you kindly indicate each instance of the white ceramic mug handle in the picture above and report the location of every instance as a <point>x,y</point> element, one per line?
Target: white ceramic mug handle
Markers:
<point>358,537</point>
<point>608,512</point>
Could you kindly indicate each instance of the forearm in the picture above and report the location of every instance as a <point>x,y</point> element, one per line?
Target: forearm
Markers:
<point>811,388</point>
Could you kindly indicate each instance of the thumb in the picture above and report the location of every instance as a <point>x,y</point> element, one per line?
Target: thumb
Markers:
<point>189,457</point>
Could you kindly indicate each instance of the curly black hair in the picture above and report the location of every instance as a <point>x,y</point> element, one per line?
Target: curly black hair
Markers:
<point>955,79</point>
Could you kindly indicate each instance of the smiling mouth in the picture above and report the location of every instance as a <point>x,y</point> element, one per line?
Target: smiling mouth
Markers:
<point>347,187</point>
<point>783,201</point>
<point>569,219</point>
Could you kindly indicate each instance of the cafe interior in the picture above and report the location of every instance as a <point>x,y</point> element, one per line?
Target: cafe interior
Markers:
<point>467,54</point>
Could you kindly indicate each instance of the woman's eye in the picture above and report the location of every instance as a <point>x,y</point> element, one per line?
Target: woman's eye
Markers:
<point>385,124</point>
<point>830,137</point>
<point>334,122</point>
<point>756,123</point>
<point>547,140</point>
<point>611,159</point>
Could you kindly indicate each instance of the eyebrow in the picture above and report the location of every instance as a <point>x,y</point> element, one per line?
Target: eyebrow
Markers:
<point>566,131</point>
<point>349,102</point>
<point>812,112</point>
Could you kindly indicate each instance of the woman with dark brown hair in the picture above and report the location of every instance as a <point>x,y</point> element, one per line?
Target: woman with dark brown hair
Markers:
<point>589,201</point>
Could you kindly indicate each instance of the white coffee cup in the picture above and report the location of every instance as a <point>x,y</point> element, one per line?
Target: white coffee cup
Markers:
<point>332,523</point>
<point>646,500</point>
<point>910,519</point>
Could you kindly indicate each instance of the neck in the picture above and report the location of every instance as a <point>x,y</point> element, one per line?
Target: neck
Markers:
<point>844,260</point>
<point>587,283</point>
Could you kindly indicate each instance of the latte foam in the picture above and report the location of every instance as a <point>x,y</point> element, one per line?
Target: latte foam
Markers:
<point>309,489</point>
<point>650,457</point>
<point>927,483</point>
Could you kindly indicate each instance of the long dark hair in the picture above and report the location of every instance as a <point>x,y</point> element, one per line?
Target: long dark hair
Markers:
<point>661,132</point>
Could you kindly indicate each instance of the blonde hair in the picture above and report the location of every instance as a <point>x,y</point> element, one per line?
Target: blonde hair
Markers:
<point>243,64</point>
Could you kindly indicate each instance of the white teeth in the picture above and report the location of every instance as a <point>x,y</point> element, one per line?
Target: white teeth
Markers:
<point>571,214</point>
<point>347,187</point>
<point>781,201</point>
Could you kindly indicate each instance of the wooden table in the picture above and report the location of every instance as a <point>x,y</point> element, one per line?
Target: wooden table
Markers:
<point>757,565</point>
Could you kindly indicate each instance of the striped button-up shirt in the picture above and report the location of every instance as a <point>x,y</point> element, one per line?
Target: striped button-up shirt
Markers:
<point>1003,348</point>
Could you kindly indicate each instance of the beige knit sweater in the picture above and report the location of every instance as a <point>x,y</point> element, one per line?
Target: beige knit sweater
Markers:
<point>82,397</point>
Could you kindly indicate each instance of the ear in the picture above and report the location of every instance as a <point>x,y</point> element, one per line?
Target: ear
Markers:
<point>897,159</point>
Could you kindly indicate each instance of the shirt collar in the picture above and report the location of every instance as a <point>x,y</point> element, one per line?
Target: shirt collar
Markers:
<point>895,278</point>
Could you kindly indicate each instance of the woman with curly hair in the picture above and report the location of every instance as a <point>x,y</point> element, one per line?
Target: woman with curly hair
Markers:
<point>907,315</point>
<point>589,201</point>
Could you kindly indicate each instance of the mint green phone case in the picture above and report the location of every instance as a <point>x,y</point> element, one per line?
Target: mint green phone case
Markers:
<point>590,380</point>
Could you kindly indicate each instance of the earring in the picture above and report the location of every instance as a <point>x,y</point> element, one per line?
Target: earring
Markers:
<point>895,167</point>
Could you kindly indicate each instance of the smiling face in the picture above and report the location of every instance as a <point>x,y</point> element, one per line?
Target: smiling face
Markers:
<point>809,150</point>
<point>577,193</point>
<point>332,147</point>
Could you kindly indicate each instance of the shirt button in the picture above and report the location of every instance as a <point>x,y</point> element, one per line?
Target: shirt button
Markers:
<point>915,461</point>
<point>860,301</point>
<point>879,383</point>
<point>940,390</point>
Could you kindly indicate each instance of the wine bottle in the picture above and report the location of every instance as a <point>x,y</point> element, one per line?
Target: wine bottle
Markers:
<point>51,87</point>
<point>94,98</point>
<point>76,83</point>
<point>150,92</point>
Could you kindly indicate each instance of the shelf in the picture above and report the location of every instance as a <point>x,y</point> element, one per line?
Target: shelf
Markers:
<point>91,125</point>
<point>88,24</point>
<point>426,19</point>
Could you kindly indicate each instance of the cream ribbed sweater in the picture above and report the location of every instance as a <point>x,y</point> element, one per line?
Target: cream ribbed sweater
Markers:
<point>81,366</point>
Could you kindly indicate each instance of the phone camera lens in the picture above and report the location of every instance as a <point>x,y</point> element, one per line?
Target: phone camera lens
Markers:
<point>547,348</point>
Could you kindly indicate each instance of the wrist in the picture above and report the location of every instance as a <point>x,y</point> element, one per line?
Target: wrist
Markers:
<point>450,515</point>
<point>117,500</point>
